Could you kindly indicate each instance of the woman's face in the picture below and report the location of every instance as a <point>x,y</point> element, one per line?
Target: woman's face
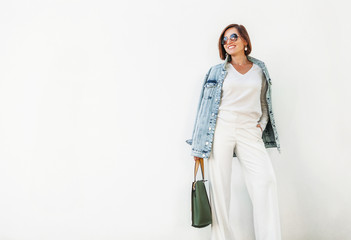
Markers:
<point>233,47</point>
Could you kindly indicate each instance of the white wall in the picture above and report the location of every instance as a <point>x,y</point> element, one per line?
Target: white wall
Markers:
<point>98,97</point>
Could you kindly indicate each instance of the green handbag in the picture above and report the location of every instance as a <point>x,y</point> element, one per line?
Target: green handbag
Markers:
<point>200,205</point>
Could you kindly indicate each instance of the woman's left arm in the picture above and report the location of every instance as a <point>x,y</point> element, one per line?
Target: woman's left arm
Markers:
<point>264,106</point>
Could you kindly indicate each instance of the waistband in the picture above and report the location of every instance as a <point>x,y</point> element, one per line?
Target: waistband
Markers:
<point>240,119</point>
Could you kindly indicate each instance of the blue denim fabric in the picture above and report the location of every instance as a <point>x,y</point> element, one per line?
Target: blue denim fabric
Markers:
<point>207,111</point>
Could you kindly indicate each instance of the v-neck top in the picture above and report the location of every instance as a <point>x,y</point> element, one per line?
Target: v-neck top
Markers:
<point>245,95</point>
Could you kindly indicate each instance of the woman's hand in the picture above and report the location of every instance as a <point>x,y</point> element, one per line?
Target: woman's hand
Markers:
<point>197,158</point>
<point>258,125</point>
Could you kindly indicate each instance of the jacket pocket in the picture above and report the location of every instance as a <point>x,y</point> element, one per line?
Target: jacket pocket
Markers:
<point>209,89</point>
<point>210,84</point>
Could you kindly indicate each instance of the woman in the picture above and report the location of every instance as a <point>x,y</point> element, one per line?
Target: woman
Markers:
<point>235,118</point>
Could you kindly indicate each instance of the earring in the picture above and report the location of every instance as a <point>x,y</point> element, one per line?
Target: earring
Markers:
<point>245,48</point>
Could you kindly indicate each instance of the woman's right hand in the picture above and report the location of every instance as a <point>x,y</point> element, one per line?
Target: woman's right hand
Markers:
<point>197,158</point>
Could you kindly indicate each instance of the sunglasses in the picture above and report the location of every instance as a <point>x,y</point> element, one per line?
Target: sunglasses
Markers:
<point>232,37</point>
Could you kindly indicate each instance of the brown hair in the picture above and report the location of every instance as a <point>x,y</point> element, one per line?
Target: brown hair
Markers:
<point>242,32</point>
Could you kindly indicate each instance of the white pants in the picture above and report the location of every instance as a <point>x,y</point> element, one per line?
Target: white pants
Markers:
<point>243,137</point>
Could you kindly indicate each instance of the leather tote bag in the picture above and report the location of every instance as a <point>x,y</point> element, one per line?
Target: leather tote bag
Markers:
<point>200,205</point>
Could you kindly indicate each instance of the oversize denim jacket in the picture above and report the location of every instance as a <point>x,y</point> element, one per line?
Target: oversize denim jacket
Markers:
<point>207,111</point>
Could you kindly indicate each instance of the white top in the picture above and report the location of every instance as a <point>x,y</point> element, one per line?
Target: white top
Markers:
<point>245,94</point>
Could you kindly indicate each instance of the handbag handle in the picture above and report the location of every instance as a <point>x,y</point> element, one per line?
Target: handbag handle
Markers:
<point>197,162</point>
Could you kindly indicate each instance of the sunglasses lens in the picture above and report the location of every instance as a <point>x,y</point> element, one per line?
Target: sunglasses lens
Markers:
<point>233,37</point>
<point>224,40</point>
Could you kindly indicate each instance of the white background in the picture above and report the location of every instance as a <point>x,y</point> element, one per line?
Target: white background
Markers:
<point>97,99</point>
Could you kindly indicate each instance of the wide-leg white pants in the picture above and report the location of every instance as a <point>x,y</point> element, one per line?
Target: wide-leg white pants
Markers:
<point>234,133</point>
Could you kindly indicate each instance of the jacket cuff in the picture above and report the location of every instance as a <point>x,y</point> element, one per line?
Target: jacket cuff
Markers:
<point>189,141</point>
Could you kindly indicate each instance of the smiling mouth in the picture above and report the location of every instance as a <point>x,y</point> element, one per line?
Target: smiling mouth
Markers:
<point>231,46</point>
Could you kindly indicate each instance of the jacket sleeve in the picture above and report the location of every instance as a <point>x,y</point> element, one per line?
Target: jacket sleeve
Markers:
<point>190,141</point>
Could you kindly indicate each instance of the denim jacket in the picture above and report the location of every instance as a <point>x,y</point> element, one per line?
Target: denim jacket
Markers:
<point>207,111</point>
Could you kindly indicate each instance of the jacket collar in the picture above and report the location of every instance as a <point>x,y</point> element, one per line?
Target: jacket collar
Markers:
<point>251,59</point>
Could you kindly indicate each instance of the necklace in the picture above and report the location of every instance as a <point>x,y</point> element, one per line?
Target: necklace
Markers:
<point>240,64</point>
